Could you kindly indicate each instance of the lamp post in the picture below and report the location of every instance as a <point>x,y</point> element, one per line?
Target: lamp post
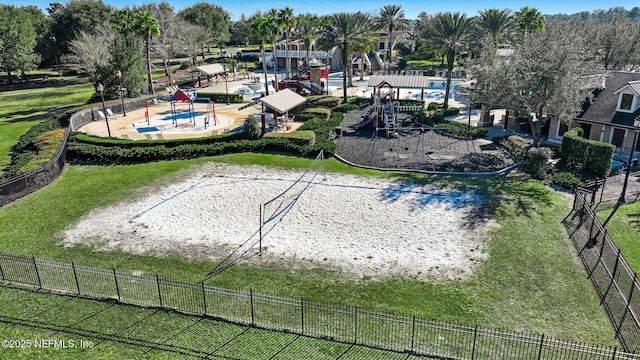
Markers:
<point>636,127</point>
<point>226,86</point>
<point>121,90</point>
<point>104,108</point>
<point>471,88</point>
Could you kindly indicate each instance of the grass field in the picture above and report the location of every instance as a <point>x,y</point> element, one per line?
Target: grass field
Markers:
<point>624,229</point>
<point>90,329</point>
<point>21,109</point>
<point>531,282</point>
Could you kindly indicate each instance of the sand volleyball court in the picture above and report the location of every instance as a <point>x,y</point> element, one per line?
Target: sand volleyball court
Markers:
<point>363,226</point>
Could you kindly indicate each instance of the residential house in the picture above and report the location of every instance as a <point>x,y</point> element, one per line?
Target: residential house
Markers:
<point>608,111</point>
<point>332,57</point>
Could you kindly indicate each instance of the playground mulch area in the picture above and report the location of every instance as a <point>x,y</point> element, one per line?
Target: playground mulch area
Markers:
<point>416,148</point>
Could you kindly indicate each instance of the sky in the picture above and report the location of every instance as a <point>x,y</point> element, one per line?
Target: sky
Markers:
<point>411,7</point>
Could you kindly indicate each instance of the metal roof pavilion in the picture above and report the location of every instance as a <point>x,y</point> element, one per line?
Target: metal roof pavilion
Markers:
<point>283,100</point>
<point>401,81</point>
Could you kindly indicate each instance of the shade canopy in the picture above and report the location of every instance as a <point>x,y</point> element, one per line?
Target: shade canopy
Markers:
<point>401,81</point>
<point>283,100</point>
<point>211,69</point>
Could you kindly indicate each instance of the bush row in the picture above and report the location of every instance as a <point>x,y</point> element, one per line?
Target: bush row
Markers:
<point>94,153</point>
<point>83,138</point>
<point>222,97</point>
<point>589,155</point>
<point>300,137</point>
<point>25,148</point>
<point>322,128</point>
<point>458,129</point>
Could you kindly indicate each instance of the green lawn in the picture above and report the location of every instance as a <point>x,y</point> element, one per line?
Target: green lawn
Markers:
<point>531,281</point>
<point>103,330</point>
<point>21,109</point>
<point>624,229</point>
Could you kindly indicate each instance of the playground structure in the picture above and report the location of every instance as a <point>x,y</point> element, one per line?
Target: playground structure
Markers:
<point>308,79</point>
<point>190,98</point>
<point>383,113</point>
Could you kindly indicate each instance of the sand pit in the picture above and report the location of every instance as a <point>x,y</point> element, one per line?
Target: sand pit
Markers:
<point>362,226</point>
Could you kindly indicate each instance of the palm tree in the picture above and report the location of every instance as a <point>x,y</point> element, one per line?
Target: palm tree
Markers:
<point>260,29</point>
<point>308,28</point>
<point>287,22</point>
<point>495,22</point>
<point>343,32</point>
<point>274,32</point>
<point>448,32</point>
<point>147,27</point>
<point>391,18</point>
<point>123,22</point>
<point>529,20</point>
<point>365,43</point>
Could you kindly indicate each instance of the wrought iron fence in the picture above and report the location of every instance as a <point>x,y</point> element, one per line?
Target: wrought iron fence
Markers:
<point>347,324</point>
<point>616,283</point>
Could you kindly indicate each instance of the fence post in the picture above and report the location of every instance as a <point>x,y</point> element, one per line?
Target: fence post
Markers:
<point>355,326</point>
<point>626,309</point>
<point>115,279</point>
<point>302,313</point>
<point>615,348</point>
<point>413,332</point>
<point>1,272</point>
<point>251,303</point>
<point>159,292</point>
<point>475,335</point>
<point>204,298</point>
<point>540,349</point>
<point>75,276</point>
<point>33,258</point>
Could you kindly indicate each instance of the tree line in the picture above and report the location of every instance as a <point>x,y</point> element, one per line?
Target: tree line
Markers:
<point>115,46</point>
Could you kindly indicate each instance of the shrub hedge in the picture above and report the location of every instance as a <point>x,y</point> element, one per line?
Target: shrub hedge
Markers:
<point>592,156</point>
<point>459,129</point>
<point>222,97</point>
<point>25,148</point>
<point>343,108</point>
<point>566,180</point>
<point>300,137</point>
<point>321,112</point>
<point>82,138</point>
<point>94,153</point>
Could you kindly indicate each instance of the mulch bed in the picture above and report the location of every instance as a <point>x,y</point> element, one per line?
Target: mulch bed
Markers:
<point>416,149</point>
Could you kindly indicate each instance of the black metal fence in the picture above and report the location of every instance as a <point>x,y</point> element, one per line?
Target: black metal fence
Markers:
<point>339,323</point>
<point>21,185</point>
<point>616,283</point>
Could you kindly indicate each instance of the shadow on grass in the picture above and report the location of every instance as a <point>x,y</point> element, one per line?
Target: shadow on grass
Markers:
<point>27,115</point>
<point>140,331</point>
<point>40,82</point>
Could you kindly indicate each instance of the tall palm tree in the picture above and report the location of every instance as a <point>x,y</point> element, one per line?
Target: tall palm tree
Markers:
<point>146,27</point>
<point>343,32</point>
<point>274,32</point>
<point>309,29</point>
<point>260,29</point>
<point>530,20</point>
<point>449,32</point>
<point>123,22</point>
<point>287,22</point>
<point>391,18</point>
<point>365,43</point>
<point>495,22</point>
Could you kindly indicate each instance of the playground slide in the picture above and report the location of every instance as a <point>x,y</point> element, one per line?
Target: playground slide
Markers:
<point>366,122</point>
